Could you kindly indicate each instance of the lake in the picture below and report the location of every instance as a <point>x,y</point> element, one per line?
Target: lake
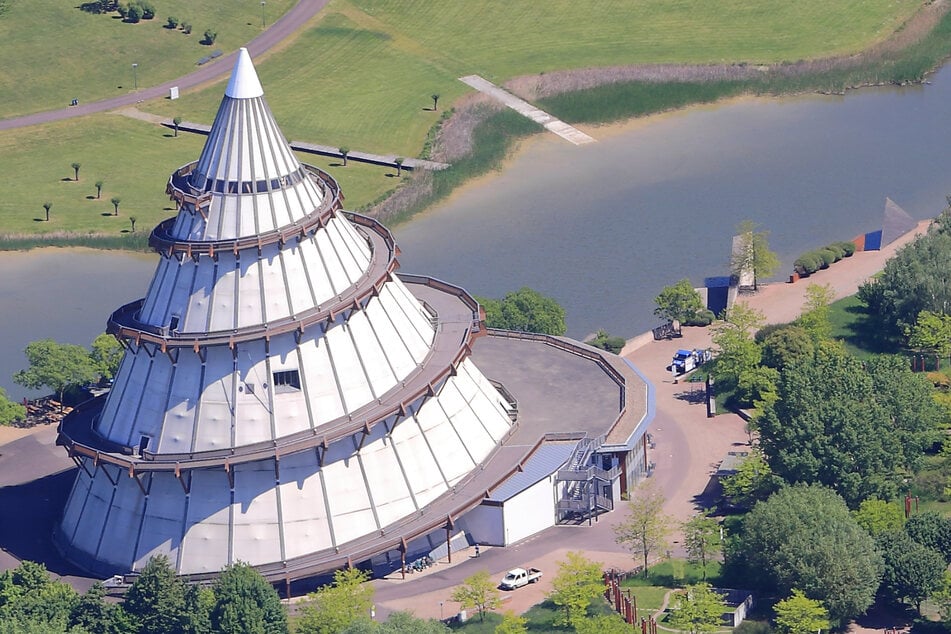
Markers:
<point>603,227</point>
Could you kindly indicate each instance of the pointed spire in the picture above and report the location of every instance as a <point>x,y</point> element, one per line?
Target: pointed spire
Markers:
<point>244,83</point>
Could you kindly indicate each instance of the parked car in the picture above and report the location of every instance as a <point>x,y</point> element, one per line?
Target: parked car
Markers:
<point>518,577</point>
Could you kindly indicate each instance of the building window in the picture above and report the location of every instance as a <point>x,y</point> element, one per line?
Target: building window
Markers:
<point>286,381</point>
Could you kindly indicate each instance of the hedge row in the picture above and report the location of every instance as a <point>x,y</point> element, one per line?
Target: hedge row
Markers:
<point>810,262</point>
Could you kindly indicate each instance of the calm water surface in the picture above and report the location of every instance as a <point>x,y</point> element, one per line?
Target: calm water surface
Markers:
<point>604,227</point>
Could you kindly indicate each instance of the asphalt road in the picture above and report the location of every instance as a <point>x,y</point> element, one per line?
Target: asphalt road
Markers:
<point>280,30</point>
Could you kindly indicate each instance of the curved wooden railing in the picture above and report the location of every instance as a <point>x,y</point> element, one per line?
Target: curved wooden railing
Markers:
<point>180,191</point>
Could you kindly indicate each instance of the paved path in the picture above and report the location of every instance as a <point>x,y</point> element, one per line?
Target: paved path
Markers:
<point>688,449</point>
<point>526,109</point>
<point>284,27</point>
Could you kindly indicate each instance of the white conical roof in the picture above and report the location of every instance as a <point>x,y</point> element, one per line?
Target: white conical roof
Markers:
<point>254,181</point>
<point>244,83</point>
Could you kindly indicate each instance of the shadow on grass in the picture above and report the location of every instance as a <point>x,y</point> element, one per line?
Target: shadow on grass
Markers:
<point>864,333</point>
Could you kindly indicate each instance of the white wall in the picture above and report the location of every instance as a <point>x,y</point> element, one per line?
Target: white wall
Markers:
<point>530,511</point>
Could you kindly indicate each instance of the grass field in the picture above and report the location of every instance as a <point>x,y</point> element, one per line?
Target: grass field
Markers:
<point>360,75</point>
<point>53,51</point>
<point>133,159</point>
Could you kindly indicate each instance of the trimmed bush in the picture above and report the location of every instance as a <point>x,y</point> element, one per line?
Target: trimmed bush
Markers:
<point>827,256</point>
<point>703,318</point>
<point>808,263</point>
<point>836,247</point>
<point>847,247</point>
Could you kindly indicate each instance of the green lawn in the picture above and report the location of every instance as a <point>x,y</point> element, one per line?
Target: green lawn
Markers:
<point>134,159</point>
<point>53,51</point>
<point>360,75</point>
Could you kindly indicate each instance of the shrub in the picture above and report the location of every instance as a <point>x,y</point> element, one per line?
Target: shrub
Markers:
<point>808,263</point>
<point>148,9</point>
<point>836,247</point>
<point>171,22</point>
<point>604,341</point>
<point>209,37</point>
<point>703,318</point>
<point>186,28</point>
<point>123,10</point>
<point>847,247</point>
<point>133,13</point>
<point>827,256</point>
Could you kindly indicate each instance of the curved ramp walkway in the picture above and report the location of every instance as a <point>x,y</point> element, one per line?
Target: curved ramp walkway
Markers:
<point>550,123</point>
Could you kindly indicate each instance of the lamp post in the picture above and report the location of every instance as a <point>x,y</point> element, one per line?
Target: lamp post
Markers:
<point>440,610</point>
<point>135,76</point>
<point>263,21</point>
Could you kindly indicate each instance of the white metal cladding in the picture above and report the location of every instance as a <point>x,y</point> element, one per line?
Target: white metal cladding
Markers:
<point>401,467</point>
<point>259,391</point>
<point>228,292</point>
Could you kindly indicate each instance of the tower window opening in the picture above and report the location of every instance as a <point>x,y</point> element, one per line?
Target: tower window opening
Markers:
<point>286,381</point>
<point>144,443</point>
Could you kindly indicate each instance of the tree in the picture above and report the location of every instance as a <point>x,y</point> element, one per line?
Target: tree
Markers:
<point>579,582</point>
<point>737,351</point>
<point>106,354</point>
<point>47,206</point>
<point>702,540</point>
<point>435,98</point>
<point>931,529</point>
<point>398,161</point>
<point>907,398</point>
<point>115,203</point>
<point>28,596</point>
<point>134,13</point>
<point>93,614</point>
<point>99,184</point>
<point>58,366</point>
<point>815,312</point>
<point>698,609</point>
<point>932,331</point>
<point>912,570</point>
<point>804,537</point>
<point>398,623</point>
<point>177,121</point>
<point>132,220</point>
<point>679,302</point>
<point>785,345</point>
<point>798,614</point>
<point>645,529</point>
<point>878,516</point>
<point>753,481</point>
<point>829,427</point>
<point>245,603</point>
<point>160,602</point>
<point>915,279</point>
<point>525,310</point>
<point>76,167</point>
<point>10,412</point>
<point>511,624</point>
<point>344,152</point>
<point>335,607</point>
<point>603,624</point>
<point>477,591</point>
<point>751,253</point>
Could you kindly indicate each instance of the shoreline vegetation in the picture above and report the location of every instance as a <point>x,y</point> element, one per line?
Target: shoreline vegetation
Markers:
<point>478,134</point>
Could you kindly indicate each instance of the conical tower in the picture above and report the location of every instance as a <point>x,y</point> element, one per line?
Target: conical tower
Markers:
<point>285,399</point>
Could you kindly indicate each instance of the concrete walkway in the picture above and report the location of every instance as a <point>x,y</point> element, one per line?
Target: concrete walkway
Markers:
<point>312,148</point>
<point>526,109</point>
